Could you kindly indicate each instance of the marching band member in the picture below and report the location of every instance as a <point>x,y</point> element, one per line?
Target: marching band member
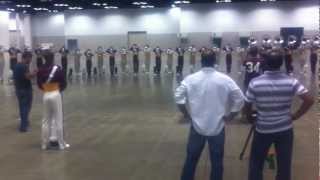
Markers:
<point>180,51</point>
<point>228,49</point>
<point>52,82</point>
<point>112,62</point>
<point>158,52</point>
<point>77,61</point>
<point>147,58</point>
<point>124,60</point>
<point>64,59</point>
<point>2,63</point>
<point>135,50</point>
<point>88,54</point>
<point>100,55</point>
<point>170,53</point>
<point>193,53</point>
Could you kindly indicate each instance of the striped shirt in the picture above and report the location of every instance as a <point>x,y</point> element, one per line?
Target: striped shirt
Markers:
<point>272,93</point>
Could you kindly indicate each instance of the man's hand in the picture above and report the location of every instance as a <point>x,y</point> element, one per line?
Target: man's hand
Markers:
<point>306,105</point>
<point>186,116</point>
<point>230,117</point>
<point>32,74</point>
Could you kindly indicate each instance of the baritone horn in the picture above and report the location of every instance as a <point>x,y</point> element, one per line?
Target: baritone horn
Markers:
<point>266,42</point>
<point>252,42</point>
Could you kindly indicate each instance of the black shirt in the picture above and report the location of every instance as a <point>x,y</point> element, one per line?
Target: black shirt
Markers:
<point>19,75</point>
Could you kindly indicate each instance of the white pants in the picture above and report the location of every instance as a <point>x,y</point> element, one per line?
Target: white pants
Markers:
<point>1,68</point>
<point>52,123</point>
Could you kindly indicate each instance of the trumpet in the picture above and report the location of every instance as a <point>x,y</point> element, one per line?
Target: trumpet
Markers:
<point>278,42</point>
<point>266,42</point>
<point>316,41</point>
<point>305,42</point>
<point>252,41</point>
<point>292,41</point>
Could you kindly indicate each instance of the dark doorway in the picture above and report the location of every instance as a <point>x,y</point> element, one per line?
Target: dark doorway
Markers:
<point>288,31</point>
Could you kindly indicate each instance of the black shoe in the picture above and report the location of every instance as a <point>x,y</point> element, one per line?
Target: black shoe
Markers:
<point>54,143</point>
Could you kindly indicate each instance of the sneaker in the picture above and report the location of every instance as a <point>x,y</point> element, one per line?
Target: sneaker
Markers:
<point>44,147</point>
<point>65,146</point>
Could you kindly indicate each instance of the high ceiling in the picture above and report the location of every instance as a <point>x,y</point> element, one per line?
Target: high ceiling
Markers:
<point>32,6</point>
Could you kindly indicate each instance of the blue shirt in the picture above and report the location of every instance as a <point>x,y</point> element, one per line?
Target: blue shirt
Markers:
<point>19,76</point>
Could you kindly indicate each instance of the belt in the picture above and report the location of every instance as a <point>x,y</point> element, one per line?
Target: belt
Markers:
<point>49,87</point>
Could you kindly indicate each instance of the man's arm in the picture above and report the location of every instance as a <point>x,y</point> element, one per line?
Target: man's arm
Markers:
<point>249,112</point>
<point>30,75</point>
<point>183,109</point>
<point>237,99</point>
<point>181,99</point>
<point>306,105</point>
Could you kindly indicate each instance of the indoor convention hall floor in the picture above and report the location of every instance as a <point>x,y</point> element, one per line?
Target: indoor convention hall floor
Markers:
<point>128,129</point>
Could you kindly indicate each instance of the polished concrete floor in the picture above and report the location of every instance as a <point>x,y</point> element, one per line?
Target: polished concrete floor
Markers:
<point>128,129</point>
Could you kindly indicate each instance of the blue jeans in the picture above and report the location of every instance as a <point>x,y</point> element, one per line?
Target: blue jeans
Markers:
<point>25,102</point>
<point>195,147</point>
<point>261,143</point>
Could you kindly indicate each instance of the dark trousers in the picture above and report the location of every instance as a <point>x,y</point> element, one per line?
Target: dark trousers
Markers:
<point>112,66</point>
<point>229,63</point>
<point>288,63</point>
<point>157,69</point>
<point>261,143</point>
<point>25,103</point>
<point>89,67</point>
<point>135,64</point>
<point>64,64</point>
<point>39,62</point>
<point>195,147</point>
<point>13,62</point>
<point>313,63</point>
<point>180,65</point>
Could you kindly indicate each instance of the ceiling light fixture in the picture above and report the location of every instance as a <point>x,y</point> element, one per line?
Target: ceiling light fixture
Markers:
<point>140,3</point>
<point>147,6</point>
<point>41,9</point>
<point>223,1</point>
<point>100,4</point>
<point>53,11</point>
<point>61,5</point>
<point>10,9</point>
<point>111,7</point>
<point>75,8</point>
<point>23,5</point>
<point>182,2</point>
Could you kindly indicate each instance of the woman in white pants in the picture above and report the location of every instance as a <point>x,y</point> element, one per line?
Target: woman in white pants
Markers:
<point>52,81</point>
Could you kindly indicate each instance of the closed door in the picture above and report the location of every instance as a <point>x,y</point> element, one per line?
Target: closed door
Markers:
<point>72,44</point>
<point>139,38</point>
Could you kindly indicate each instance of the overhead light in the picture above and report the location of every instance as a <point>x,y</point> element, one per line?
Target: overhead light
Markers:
<point>75,8</point>
<point>23,5</point>
<point>40,9</point>
<point>53,11</point>
<point>182,2</point>
<point>139,3</point>
<point>268,0</point>
<point>10,9</point>
<point>147,6</point>
<point>100,4</point>
<point>61,5</point>
<point>111,7</point>
<point>223,1</point>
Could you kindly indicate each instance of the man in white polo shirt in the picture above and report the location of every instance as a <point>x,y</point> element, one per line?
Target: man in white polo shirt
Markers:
<point>208,98</point>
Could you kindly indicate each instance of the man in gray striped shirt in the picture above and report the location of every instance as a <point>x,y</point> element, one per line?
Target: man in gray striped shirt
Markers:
<point>272,94</point>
